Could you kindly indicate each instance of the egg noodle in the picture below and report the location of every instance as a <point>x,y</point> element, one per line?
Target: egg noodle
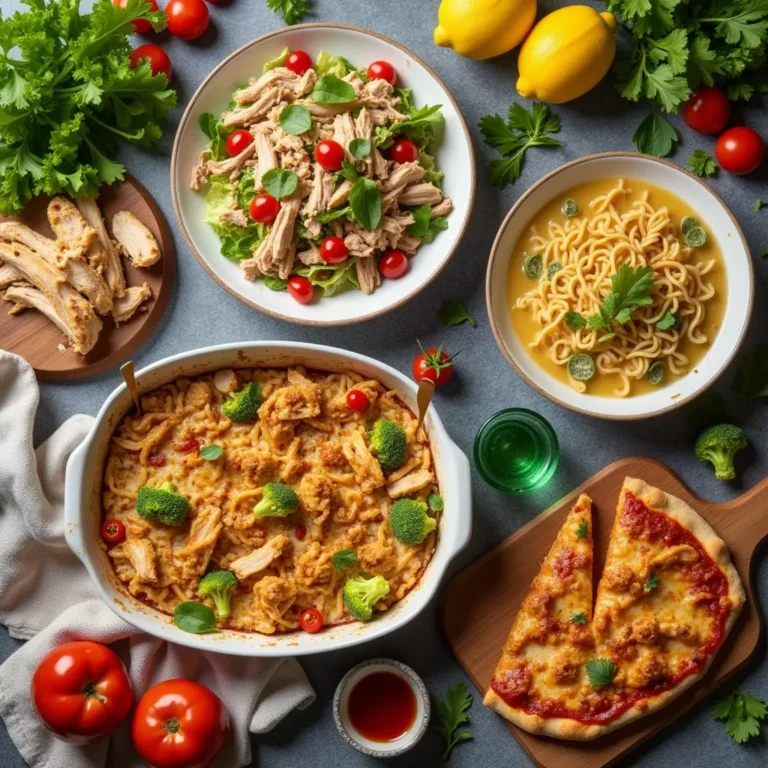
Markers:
<point>591,249</point>
<point>344,496</point>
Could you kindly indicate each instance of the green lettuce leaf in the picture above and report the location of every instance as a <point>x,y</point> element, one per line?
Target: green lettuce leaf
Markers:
<point>332,279</point>
<point>237,243</point>
<point>277,62</point>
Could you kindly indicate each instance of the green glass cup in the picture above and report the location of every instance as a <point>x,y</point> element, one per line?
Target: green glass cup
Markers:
<point>516,451</point>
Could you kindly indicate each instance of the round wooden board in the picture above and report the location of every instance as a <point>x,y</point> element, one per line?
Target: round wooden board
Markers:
<point>31,336</point>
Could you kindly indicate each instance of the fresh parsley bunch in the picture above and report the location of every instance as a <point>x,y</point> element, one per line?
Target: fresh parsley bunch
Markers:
<point>68,93</point>
<point>630,289</point>
<point>291,10</point>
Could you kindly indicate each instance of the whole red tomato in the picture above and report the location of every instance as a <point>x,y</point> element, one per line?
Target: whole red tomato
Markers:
<point>141,26</point>
<point>740,150</point>
<point>179,724</point>
<point>187,19</point>
<point>81,691</point>
<point>707,111</point>
<point>157,57</point>
<point>433,364</point>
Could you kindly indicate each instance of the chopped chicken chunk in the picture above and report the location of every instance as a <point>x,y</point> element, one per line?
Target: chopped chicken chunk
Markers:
<point>24,296</point>
<point>376,558</point>
<point>265,153</point>
<point>420,194</point>
<point>443,208</point>
<point>411,483</point>
<point>124,308</point>
<point>203,534</point>
<point>142,557</point>
<point>296,402</point>
<point>73,233</point>
<point>260,558</point>
<point>366,468</point>
<point>10,275</point>
<point>367,274</point>
<point>135,240</point>
<point>102,255</point>
<point>318,495</point>
<point>254,112</point>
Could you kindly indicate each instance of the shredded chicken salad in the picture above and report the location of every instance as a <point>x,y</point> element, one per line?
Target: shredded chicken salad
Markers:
<point>322,172</point>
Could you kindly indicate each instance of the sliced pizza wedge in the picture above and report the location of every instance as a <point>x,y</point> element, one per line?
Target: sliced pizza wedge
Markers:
<point>666,601</point>
<point>541,674</point>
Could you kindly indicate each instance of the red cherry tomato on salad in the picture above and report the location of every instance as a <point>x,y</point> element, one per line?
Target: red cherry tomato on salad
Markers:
<point>707,111</point>
<point>301,532</point>
<point>157,460</point>
<point>301,289</point>
<point>142,26</point>
<point>404,151</point>
<point>264,208</point>
<point>112,531</point>
<point>187,19</point>
<point>382,70</point>
<point>329,154</point>
<point>81,691</point>
<point>311,620</point>
<point>393,264</point>
<point>299,62</point>
<point>179,724</point>
<point>740,150</point>
<point>357,400</point>
<point>333,250</point>
<point>433,364</point>
<point>237,141</point>
<point>158,59</point>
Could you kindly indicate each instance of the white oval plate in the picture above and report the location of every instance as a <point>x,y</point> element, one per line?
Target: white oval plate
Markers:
<point>721,224</point>
<point>454,157</point>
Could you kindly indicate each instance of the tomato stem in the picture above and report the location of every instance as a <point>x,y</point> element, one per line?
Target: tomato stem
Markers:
<point>91,692</point>
<point>173,725</point>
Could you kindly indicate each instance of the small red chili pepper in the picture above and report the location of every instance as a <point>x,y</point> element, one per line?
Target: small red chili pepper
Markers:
<point>311,620</point>
<point>112,531</point>
<point>157,460</point>
<point>301,532</point>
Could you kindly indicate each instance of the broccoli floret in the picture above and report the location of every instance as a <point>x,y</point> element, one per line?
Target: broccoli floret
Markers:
<point>218,585</point>
<point>361,594</point>
<point>162,504</point>
<point>388,443</point>
<point>718,445</point>
<point>243,405</point>
<point>409,522</point>
<point>277,500</point>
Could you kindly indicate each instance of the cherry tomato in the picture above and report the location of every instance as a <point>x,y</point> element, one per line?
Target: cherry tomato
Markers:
<point>301,532</point>
<point>333,250</point>
<point>740,150</point>
<point>329,154</point>
<point>301,289</point>
<point>393,264</point>
<point>158,59</point>
<point>142,26</point>
<point>179,724</point>
<point>299,62</point>
<point>237,141</point>
<point>382,70</point>
<point>311,620</point>
<point>187,19</point>
<point>707,111</point>
<point>157,460</point>
<point>81,691</point>
<point>188,446</point>
<point>112,531</point>
<point>404,151</point>
<point>433,364</point>
<point>357,400</point>
<point>264,208</point>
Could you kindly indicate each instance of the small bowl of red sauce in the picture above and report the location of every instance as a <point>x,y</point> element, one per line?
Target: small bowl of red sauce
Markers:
<point>381,708</point>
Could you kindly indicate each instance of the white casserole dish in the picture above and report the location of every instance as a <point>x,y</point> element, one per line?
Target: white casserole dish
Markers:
<point>82,500</point>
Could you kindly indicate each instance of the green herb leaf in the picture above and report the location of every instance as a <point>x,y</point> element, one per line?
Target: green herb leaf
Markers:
<point>583,530</point>
<point>295,119</point>
<point>291,10</point>
<point>600,672</point>
<point>365,202</point>
<point>669,320</point>
<point>423,125</point>
<point>453,312</point>
<point>275,283</point>
<point>195,618</point>
<point>655,136</point>
<point>425,225</point>
<point>743,715</point>
<point>629,290</point>
<point>435,502</point>
<point>330,89</point>
<point>348,171</point>
<point>651,582</point>
<point>758,205</point>
<point>579,618</point>
<point>211,452</point>
<point>359,148</point>
<point>453,712</point>
<point>752,380</point>
<point>343,559</point>
<point>279,182</point>
<point>574,320</point>
<point>702,163</point>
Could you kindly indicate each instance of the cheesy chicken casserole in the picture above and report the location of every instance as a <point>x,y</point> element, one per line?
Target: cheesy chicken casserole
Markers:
<point>268,493</point>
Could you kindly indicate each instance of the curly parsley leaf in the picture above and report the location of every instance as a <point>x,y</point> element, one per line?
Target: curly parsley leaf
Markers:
<point>630,289</point>
<point>655,136</point>
<point>579,618</point>
<point>600,672</point>
<point>512,138</point>
<point>453,312</point>
<point>702,163</point>
<point>743,715</point>
<point>292,11</point>
<point>583,530</point>
<point>453,711</point>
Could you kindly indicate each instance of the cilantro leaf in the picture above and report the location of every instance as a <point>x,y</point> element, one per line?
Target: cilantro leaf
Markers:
<point>579,618</point>
<point>574,320</point>
<point>655,136</point>
<point>292,11</point>
<point>702,163</point>
<point>629,290</point>
<point>453,312</point>
<point>743,715</point>
<point>583,530</point>
<point>600,672</point>
<point>669,320</point>
<point>453,712</point>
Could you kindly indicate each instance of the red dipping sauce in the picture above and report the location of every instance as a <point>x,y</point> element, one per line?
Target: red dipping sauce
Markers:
<point>382,707</point>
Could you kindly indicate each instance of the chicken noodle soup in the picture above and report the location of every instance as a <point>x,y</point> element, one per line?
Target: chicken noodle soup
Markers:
<point>593,240</point>
<point>303,437</point>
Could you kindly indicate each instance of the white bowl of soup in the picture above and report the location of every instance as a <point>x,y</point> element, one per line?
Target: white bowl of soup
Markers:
<point>620,286</point>
<point>182,414</point>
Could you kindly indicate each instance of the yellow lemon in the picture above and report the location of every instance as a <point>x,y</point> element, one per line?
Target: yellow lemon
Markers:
<point>567,53</point>
<point>482,29</point>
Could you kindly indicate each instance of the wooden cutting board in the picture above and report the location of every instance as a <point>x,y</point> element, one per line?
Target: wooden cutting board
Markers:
<point>480,603</point>
<point>33,337</point>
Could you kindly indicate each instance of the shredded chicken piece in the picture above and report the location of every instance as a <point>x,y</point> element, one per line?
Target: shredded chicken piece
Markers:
<point>367,274</point>
<point>125,307</point>
<point>74,234</point>
<point>321,111</point>
<point>75,313</point>
<point>344,133</point>
<point>376,558</point>
<point>314,566</point>
<point>443,208</point>
<point>258,467</point>
<point>318,495</point>
<point>341,195</point>
<point>279,77</point>
<point>236,216</point>
<point>310,256</point>
<point>366,468</point>
<point>322,190</point>
<point>267,159</point>
<point>420,194</point>
<point>411,483</point>
<point>135,240</point>
<point>10,275</point>
<point>102,255</point>
<point>401,176</point>
<point>254,112</point>
<point>260,558</point>
<point>408,244</point>
<point>231,166</point>
<point>296,402</point>
<point>142,557</point>
<point>203,534</point>
<point>375,164</point>
<point>23,296</point>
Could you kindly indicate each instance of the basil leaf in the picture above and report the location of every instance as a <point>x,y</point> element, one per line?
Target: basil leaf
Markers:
<point>194,617</point>
<point>279,183</point>
<point>343,559</point>
<point>275,283</point>
<point>365,201</point>
<point>332,90</point>
<point>348,171</point>
<point>211,452</point>
<point>359,148</point>
<point>295,119</point>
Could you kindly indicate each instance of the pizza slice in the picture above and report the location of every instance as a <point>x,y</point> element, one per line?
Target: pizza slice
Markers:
<point>540,675</point>
<point>666,601</point>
